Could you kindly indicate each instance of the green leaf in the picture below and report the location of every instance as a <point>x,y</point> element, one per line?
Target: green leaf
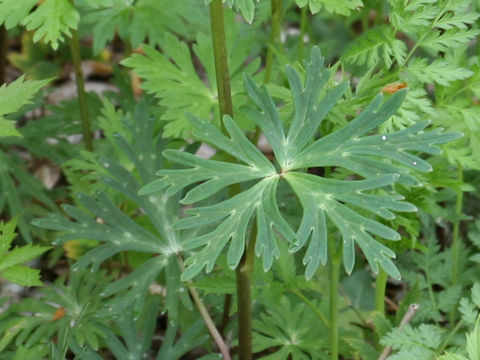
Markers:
<point>143,21</point>
<point>172,77</point>
<point>14,96</point>
<point>10,261</point>
<point>408,337</point>
<point>439,71</point>
<point>13,12</point>
<point>289,330</point>
<point>75,306</point>
<point>380,159</point>
<point>341,7</point>
<point>138,148</point>
<point>473,343</point>
<point>52,20</point>
<point>442,41</point>
<point>374,46</point>
<point>22,275</point>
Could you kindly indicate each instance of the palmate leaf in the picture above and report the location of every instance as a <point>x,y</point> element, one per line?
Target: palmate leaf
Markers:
<point>118,231</point>
<point>290,329</point>
<point>68,312</point>
<point>380,159</point>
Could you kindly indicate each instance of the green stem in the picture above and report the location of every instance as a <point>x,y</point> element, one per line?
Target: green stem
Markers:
<point>244,273</point>
<point>303,27</point>
<point>333,295</point>
<point>449,337</point>
<point>274,34</point>
<point>310,305</point>
<point>221,58</point>
<point>419,41</point>
<point>82,95</point>
<point>380,287</point>
<point>456,237</point>
<point>3,53</point>
<point>245,268</point>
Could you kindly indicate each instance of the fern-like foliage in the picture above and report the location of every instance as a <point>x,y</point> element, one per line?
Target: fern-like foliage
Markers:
<point>142,21</point>
<point>172,77</point>
<point>341,7</point>
<point>381,160</point>
<point>11,267</point>
<point>374,46</point>
<point>13,12</point>
<point>413,342</point>
<point>14,96</point>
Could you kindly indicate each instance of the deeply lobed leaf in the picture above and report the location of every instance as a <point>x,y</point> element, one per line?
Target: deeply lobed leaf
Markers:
<point>380,159</point>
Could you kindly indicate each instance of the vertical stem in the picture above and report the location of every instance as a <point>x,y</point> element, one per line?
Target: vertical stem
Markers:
<point>303,27</point>
<point>380,287</point>
<point>3,53</point>
<point>227,304</point>
<point>333,295</point>
<point>274,33</point>
<point>456,237</point>
<point>244,273</point>
<point>245,268</point>
<point>82,96</point>
<point>221,59</point>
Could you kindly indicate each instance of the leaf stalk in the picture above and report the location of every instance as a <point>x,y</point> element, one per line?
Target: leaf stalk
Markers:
<point>74,43</point>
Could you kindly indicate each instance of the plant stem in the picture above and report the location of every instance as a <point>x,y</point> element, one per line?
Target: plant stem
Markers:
<point>210,324</point>
<point>303,27</point>
<point>310,305</point>
<point>227,304</point>
<point>221,59</point>
<point>333,295</point>
<point>449,337</point>
<point>456,237</point>
<point>244,273</point>
<point>217,337</point>
<point>274,34</point>
<point>380,286</point>
<point>82,96</point>
<point>245,268</point>
<point>3,53</point>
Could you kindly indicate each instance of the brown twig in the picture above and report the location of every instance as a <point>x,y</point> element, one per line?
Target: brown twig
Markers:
<point>412,309</point>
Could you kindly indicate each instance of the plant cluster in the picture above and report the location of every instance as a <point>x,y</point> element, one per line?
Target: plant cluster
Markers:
<point>330,219</point>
